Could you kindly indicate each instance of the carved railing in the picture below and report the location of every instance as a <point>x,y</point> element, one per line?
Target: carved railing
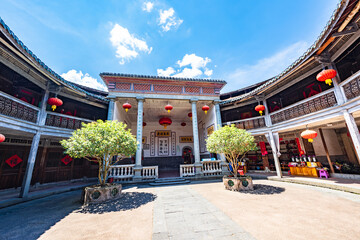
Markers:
<point>187,170</point>
<point>211,167</point>
<point>122,172</point>
<point>250,123</point>
<point>151,172</point>
<point>13,107</point>
<point>312,104</point>
<point>351,86</point>
<point>64,121</point>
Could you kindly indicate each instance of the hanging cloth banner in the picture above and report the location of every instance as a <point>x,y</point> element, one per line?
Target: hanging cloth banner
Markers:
<point>263,148</point>
<point>299,146</point>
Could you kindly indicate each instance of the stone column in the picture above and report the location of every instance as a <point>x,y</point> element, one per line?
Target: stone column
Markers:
<point>274,152</point>
<point>30,166</point>
<point>354,132</point>
<point>139,129</point>
<point>198,164</point>
<point>218,125</point>
<point>111,109</point>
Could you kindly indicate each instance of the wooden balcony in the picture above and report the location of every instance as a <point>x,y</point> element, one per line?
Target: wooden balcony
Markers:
<point>64,121</point>
<point>309,105</point>
<point>16,108</point>
<point>351,86</point>
<point>249,123</point>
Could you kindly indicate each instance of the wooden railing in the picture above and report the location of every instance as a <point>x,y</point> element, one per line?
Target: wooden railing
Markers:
<point>64,121</point>
<point>211,167</point>
<point>122,172</point>
<point>312,104</point>
<point>187,170</point>
<point>351,86</point>
<point>250,123</point>
<point>13,107</point>
<point>151,172</point>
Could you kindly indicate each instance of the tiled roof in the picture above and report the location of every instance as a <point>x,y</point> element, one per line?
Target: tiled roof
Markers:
<point>311,50</point>
<point>165,78</point>
<point>48,69</point>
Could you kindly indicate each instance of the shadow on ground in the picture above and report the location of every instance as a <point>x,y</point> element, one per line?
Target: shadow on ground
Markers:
<point>260,189</point>
<point>128,201</point>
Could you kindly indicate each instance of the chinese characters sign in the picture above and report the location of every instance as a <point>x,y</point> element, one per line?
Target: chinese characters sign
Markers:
<point>186,139</point>
<point>163,146</point>
<point>13,161</point>
<point>164,133</point>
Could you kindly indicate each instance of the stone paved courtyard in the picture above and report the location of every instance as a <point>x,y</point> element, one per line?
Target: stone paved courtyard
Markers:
<point>275,210</point>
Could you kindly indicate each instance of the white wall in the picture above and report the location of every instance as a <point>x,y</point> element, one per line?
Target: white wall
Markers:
<point>332,143</point>
<point>207,121</point>
<point>120,114</point>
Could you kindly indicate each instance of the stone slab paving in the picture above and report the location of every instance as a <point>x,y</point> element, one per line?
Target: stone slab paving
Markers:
<point>181,213</point>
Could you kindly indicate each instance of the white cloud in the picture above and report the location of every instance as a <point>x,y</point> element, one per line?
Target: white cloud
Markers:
<point>127,46</point>
<point>165,73</point>
<point>83,79</point>
<point>168,20</point>
<point>148,6</point>
<point>190,66</point>
<point>265,68</point>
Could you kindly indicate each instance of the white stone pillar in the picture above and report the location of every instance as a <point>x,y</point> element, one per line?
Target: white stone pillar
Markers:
<point>354,132</point>
<point>218,125</point>
<point>30,166</point>
<point>111,110</point>
<point>267,117</point>
<point>198,164</point>
<point>139,129</point>
<point>339,91</point>
<point>274,152</point>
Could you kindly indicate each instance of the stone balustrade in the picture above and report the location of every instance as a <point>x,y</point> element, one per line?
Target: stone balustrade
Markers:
<point>187,170</point>
<point>122,172</point>
<point>210,168</point>
<point>150,172</point>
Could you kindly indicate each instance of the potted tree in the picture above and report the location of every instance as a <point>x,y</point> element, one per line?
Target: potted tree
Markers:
<point>100,142</point>
<point>234,143</point>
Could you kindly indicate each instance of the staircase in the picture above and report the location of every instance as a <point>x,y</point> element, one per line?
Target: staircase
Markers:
<point>169,181</point>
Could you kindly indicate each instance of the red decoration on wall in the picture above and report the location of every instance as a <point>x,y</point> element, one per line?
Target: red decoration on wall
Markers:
<point>263,148</point>
<point>299,146</point>
<point>326,76</point>
<point>245,115</point>
<point>13,161</point>
<point>55,102</point>
<point>205,108</point>
<point>66,160</point>
<point>311,91</point>
<point>2,138</point>
<point>168,108</point>
<point>183,124</point>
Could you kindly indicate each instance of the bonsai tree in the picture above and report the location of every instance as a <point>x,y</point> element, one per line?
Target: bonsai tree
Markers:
<point>233,142</point>
<point>99,142</point>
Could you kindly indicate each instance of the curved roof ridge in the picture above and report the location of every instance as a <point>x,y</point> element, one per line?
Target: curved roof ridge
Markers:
<point>319,40</point>
<point>45,67</point>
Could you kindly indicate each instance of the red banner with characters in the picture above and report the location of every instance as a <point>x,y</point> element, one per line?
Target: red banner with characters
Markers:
<point>263,148</point>
<point>299,146</point>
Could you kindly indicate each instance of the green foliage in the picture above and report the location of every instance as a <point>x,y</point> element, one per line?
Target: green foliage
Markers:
<point>99,142</point>
<point>233,142</point>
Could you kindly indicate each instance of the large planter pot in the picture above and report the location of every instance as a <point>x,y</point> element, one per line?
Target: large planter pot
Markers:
<point>98,194</point>
<point>243,183</point>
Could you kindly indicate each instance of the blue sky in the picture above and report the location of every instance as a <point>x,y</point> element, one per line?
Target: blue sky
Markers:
<point>242,42</point>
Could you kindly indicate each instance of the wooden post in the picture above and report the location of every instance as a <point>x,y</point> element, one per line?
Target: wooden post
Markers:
<point>326,150</point>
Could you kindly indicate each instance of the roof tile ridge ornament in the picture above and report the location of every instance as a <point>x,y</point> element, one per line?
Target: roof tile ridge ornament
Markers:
<point>45,67</point>
<point>313,48</point>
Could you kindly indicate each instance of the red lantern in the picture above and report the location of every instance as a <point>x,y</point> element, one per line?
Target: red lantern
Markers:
<point>309,134</point>
<point>260,108</point>
<point>54,102</point>
<point>165,122</point>
<point>144,124</point>
<point>2,138</point>
<point>183,124</point>
<point>126,106</point>
<point>326,76</point>
<point>205,108</point>
<point>190,115</point>
<point>168,108</point>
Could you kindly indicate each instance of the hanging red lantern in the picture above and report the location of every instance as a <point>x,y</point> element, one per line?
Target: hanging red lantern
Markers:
<point>190,115</point>
<point>144,124</point>
<point>326,76</point>
<point>205,108</point>
<point>54,102</point>
<point>260,108</point>
<point>183,124</point>
<point>126,106</point>
<point>309,134</point>
<point>2,138</point>
<point>168,108</point>
<point>165,122</point>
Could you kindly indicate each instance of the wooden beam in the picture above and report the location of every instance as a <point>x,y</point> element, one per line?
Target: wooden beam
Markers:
<point>326,150</point>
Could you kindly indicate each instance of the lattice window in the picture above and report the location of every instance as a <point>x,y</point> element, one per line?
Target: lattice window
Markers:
<point>167,88</point>
<point>192,89</point>
<point>208,90</point>
<point>123,86</point>
<point>142,87</point>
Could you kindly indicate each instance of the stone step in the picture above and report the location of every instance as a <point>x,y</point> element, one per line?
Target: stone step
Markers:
<point>169,183</point>
<point>177,179</point>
